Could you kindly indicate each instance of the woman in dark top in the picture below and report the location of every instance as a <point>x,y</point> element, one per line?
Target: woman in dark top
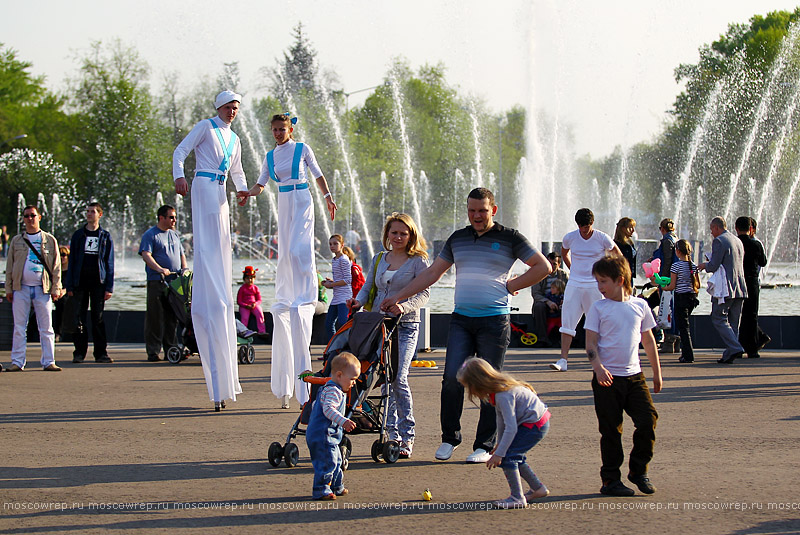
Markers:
<point>622,237</point>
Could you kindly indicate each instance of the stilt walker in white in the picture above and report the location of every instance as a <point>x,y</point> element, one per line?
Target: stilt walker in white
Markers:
<point>296,280</point>
<point>218,153</point>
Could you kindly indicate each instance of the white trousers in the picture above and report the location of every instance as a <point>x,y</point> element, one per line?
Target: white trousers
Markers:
<point>43,307</point>
<point>212,300</point>
<point>577,302</point>
<point>295,294</point>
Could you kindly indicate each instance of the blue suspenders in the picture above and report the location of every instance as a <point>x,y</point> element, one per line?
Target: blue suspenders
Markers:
<point>227,155</point>
<point>296,159</point>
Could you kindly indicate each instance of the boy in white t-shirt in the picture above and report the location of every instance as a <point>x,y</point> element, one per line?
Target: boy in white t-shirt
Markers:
<point>580,249</point>
<point>614,327</point>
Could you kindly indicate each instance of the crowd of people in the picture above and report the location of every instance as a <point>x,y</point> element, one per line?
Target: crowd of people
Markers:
<point>396,281</point>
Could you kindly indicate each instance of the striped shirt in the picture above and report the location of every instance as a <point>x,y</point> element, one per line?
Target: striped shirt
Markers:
<point>482,267</point>
<point>331,399</point>
<point>684,270</point>
<point>341,272</point>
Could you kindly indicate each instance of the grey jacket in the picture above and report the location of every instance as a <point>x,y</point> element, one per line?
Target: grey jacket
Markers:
<point>404,275</point>
<point>728,251</point>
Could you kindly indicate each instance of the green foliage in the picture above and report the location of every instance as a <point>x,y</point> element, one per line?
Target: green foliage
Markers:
<point>125,148</point>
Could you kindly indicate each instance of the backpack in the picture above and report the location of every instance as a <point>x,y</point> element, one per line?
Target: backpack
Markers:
<point>358,279</point>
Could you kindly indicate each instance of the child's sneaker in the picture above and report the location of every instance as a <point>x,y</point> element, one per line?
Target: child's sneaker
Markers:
<point>541,492</point>
<point>342,492</point>
<point>405,449</point>
<point>326,497</point>
<point>510,503</point>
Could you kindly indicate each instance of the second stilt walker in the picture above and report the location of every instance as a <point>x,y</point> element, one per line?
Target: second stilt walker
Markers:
<point>218,152</point>
<point>296,280</point>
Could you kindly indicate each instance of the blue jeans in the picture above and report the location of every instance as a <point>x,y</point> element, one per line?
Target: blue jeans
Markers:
<point>335,318</point>
<point>24,299</point>
<point>525,439</point>
<point>400,421</point>
<point>487,338</point>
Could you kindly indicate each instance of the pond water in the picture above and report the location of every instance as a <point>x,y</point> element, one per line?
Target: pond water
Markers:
<point>129,291</point>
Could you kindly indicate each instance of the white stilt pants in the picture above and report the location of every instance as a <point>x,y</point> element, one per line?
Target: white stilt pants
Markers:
<point>295,294</point>
<point>212,300</point>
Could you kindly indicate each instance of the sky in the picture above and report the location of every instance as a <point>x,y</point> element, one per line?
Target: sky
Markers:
<point>604,68</point>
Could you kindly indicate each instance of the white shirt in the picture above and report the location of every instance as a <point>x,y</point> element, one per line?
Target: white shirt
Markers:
<point>209,153</point>
<point>32,272</point>
<point>584,253</point>
<point>283,156</point>
<point>619,326</point>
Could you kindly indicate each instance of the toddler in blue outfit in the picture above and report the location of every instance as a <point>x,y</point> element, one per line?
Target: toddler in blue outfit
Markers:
<point>327,424</point>
<point>522,421</point>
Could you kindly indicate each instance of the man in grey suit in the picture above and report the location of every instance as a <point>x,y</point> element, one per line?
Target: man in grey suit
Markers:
<point>727,251</point>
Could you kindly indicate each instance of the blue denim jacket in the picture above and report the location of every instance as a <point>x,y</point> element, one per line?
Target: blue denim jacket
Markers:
<point>105,259</point>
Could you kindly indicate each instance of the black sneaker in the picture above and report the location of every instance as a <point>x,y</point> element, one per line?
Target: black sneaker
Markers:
<point>153,358</point>
<point>104,359</point>
<point>616,488</point>
<point>77,360</point>
<point>643,482</point>
<point>686,360</point>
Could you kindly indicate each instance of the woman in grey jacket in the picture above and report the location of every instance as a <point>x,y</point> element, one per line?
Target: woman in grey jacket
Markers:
<point>405,258</point>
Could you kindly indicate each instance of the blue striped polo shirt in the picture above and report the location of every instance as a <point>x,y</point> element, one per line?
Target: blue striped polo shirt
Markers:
<point>482,267</point>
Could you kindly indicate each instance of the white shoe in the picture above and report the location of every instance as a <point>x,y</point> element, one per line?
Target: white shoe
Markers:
<point>541,492</point>
<point>478,456</point>
<point>560,365</point>
<point>445,451</point>
<point>510,503</point>
<point>285,402</point>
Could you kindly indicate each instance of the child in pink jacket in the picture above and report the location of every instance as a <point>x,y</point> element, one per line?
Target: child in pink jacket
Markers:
<point>249,300</point>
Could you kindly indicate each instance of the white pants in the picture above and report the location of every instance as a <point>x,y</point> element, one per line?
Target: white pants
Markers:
<point>295,294</point>
<point>577,302</point>
<point>43,307</point>
<point>212,300</point>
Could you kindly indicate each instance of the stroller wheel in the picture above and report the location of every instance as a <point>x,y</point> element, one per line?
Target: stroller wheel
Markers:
<point>345,457</point>
<point>250,357</point>
<point>391,451</point>
<point>291,455</point>
<point>242,354</point>
<point>275,453</point>
<point>377,451</point>
<point>174,355</point>
<point>347,445</point>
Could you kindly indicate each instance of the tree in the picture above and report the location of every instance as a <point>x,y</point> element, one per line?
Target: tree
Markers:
<point>126,150</point>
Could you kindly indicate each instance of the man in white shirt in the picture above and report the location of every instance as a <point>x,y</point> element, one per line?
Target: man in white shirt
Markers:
<point>580,249</point>
<point>218,153</point>
<point>33,278</point>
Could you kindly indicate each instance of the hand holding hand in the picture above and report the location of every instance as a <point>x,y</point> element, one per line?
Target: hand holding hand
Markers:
<point>241,197</point>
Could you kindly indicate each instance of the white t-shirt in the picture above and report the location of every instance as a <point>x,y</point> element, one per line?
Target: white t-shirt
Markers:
<point>32,272</point>
<point>619,326</point>
<point>584,253</point>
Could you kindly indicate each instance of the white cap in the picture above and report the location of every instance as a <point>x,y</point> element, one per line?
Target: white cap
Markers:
<point>225,97</point>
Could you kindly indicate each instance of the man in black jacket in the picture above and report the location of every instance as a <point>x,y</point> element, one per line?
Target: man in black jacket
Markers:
<point>751,336</point>
<point>90,279</point>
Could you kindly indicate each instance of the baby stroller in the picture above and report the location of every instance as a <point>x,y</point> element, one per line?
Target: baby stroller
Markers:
<point>178,293</point>
<point>368,336</point>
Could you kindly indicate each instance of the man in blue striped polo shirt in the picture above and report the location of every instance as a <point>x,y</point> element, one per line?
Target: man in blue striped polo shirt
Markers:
<point>483,254</point>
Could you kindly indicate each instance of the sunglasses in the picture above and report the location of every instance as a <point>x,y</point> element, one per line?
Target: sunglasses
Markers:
<point>26,216</point>
<point>64,255</point>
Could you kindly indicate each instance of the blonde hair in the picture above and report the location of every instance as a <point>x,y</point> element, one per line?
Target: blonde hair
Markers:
<point>416,243</point>
<point>622,227</point>
<point>343,360</point>
<point>348,252</point>
<point>480,379</point>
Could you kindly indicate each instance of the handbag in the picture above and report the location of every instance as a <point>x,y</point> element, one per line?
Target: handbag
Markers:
<point>373,291</point>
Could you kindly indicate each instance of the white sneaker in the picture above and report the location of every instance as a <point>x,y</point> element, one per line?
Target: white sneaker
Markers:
<point>560,365</point>
<point>285,402</point>
<point>541,492</point>
<point>510,503</point>
<point>478,456</point>
<point>445,451</point>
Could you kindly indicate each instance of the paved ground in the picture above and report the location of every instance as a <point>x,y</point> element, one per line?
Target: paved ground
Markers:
<point>135,447</point>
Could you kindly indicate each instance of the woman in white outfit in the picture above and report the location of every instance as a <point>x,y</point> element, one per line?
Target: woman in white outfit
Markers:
<point>296,278</point>
<point>218,153</point>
